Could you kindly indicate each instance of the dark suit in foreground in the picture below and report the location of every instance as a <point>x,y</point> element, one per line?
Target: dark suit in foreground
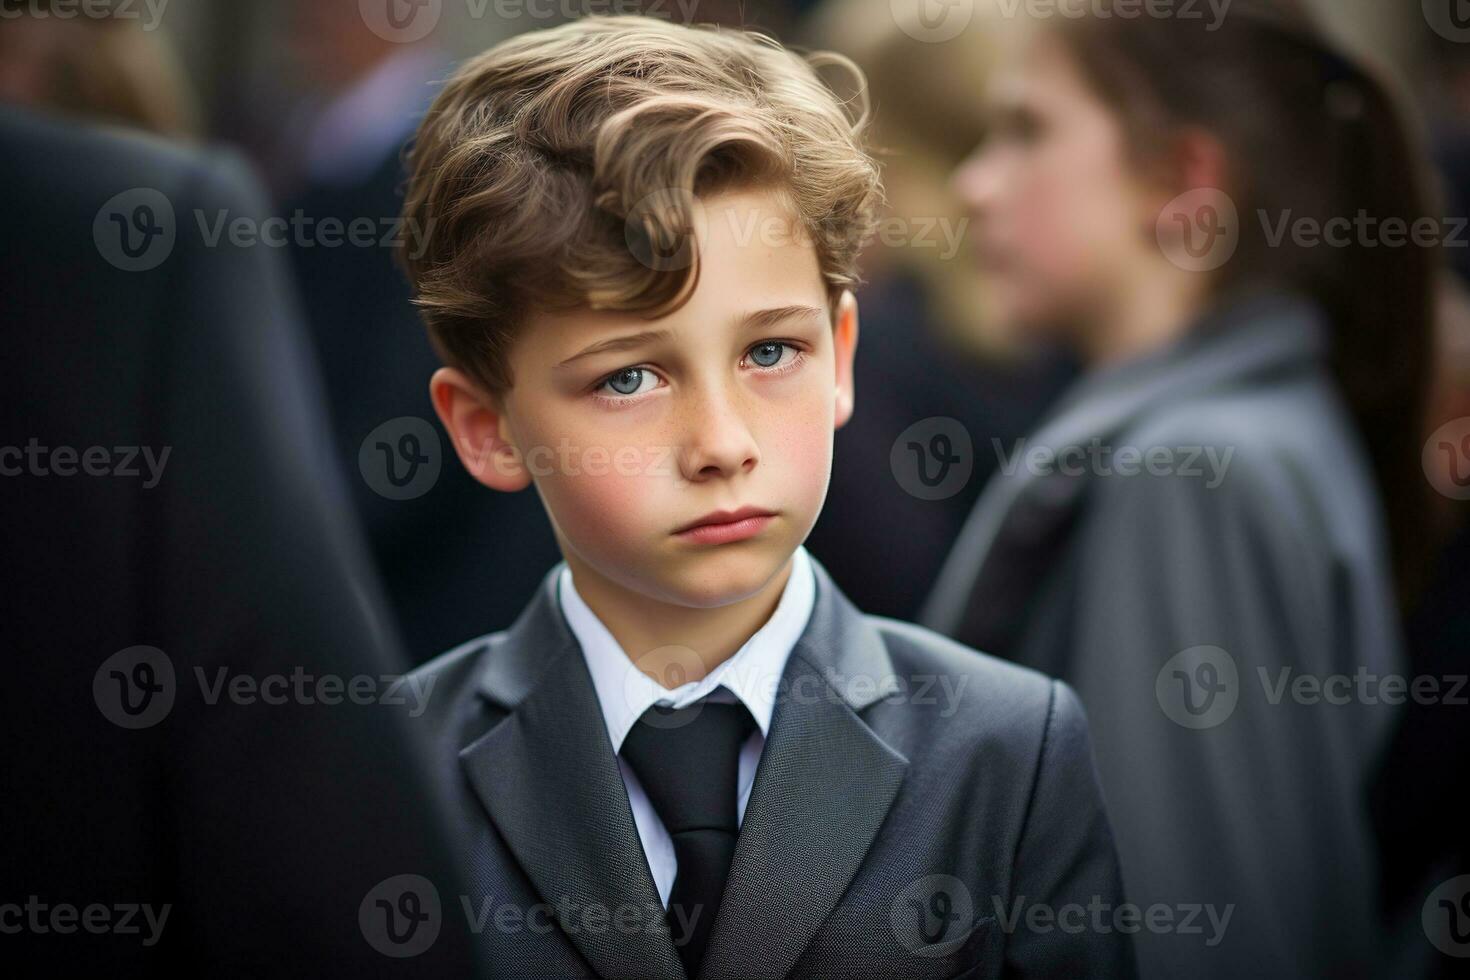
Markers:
<point>213,834</point>
<point>912,797</point>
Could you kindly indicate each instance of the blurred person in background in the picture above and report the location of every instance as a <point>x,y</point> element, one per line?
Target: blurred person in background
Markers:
<point>1446,100</point>
<point>1424,786</point>
<point>1230,499</point>
<point>354,98</point>
<point>101,69</point>
<point>1422,789</point>
<point>931,353</point>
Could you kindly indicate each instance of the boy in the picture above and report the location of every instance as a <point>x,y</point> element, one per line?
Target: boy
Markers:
<point>691,756</point>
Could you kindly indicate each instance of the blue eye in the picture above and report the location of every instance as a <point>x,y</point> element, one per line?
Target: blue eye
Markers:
<point>628,381</point>
<point>767,354</point>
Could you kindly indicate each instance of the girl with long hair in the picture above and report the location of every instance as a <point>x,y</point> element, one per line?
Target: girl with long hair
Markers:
<point>1227,220</point>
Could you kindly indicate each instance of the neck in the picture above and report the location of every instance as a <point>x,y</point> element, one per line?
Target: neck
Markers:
<point>1144,316</point>
<point>671,643</point>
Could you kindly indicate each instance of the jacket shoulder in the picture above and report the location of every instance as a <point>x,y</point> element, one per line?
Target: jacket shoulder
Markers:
<point>912,645</point>
<point>451,678</point>
<point>963,717</point>
<point>985,697</point>
<point>456,659</point>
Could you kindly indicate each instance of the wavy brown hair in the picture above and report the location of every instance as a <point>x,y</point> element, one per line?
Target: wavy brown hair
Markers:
<point>560,170</point>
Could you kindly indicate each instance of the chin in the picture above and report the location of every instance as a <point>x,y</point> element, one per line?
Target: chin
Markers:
<point>723,574</point>
<point>1025,319</point>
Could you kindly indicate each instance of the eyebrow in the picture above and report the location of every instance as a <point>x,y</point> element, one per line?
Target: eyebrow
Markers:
<point>757,320</point>
<point>761,319</point>
<point>618,343</point>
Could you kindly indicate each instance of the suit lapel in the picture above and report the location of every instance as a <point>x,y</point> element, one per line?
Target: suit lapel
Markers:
<point>824,786</point>
<point>549,779</point>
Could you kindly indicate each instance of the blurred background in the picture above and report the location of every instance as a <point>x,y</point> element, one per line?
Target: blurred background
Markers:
<point>321,95</point>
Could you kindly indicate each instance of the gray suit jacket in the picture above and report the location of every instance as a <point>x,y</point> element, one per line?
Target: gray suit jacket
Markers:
<point>915,800</point>
<point>1232,573</point>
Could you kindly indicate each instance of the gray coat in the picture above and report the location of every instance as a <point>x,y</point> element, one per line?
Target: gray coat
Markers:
<point>1248,550</point>
<point>915,807</point>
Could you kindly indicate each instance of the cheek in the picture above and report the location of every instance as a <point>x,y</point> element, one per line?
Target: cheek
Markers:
<point>1072,220</point>
<point>1052,221</point>
<point>606,493</point>
<point>797,446</point>
<point>595,484</point>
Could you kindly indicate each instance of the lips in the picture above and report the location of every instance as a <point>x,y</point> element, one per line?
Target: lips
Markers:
<point>725,526</point>
<point>725,517</point>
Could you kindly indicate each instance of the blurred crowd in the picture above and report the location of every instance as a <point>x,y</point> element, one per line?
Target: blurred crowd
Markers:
<point>1052,279</point>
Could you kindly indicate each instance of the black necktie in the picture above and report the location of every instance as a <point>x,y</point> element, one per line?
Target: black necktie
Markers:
<point>687,760</point>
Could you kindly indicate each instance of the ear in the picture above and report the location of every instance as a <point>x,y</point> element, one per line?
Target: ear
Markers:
<point>844,343</point>
<point>478,429</point>
<point>1195,159</point>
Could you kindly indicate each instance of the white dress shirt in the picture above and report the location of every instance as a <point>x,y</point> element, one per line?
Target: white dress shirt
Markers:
<point>751,675</point>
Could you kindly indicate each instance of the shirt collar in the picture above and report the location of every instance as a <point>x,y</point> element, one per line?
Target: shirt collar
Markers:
<point>752,674</point>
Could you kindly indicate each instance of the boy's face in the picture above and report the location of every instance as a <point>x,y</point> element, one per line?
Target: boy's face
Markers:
<point>636,430</point>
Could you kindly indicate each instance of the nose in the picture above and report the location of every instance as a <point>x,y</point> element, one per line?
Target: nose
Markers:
<point>976,182</point>
<point>717,442</point>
